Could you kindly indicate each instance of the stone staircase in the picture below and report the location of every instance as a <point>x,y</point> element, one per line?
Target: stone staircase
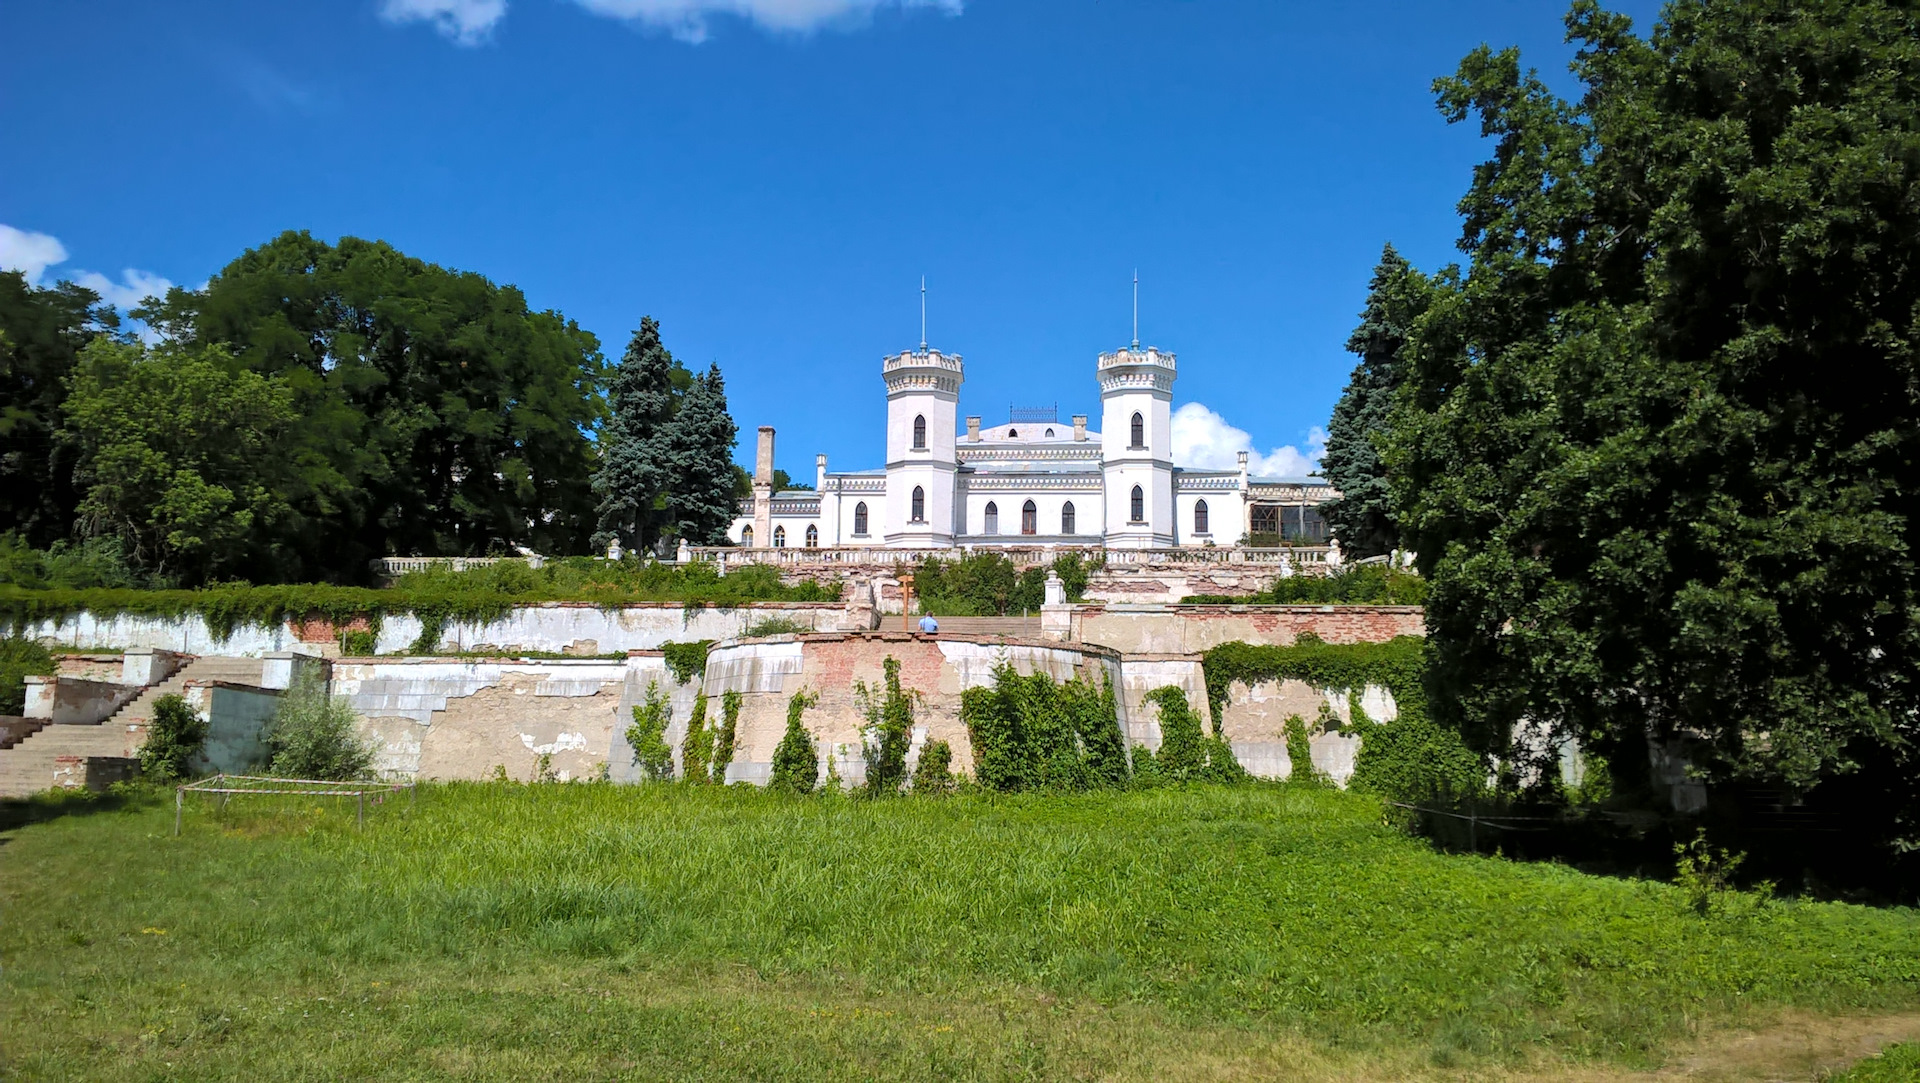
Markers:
<point>56,756</point>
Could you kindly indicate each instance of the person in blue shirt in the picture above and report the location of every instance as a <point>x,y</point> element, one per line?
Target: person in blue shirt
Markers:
<point>929,625</point>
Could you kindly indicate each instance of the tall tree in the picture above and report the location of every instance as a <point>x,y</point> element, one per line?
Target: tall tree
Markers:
<point>42,332</point>
<point>1660,453</point>
<point>180,457</point>
<point>701,439</point>
<point>438,414</point>
<point>1363,516</point>
<point>633,474</point>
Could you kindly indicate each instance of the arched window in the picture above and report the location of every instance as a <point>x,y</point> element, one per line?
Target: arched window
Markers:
<point>860,518</point>
<point>1011,433</point>
<point>1029,519</point>
<point>1139,432</point>
<point>1138,507</point>
<point>919,504</point>
<point>779,537</point>
<point>746,537</point>
<point>993,519</point>
<point>1049,432</point>
<point>1199,517</point>
<point>1066,518</point>
<point>920,433</point>
<point>813,536</point>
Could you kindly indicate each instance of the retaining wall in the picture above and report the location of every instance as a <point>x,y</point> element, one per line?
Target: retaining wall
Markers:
<point>1195,629</point>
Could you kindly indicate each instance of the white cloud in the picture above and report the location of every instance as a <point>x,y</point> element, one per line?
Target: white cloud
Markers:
<point>28,252</point>
<point>133,288</point>
<point>687,19</point>
<point>1202,440</point>
<point>467,22</point>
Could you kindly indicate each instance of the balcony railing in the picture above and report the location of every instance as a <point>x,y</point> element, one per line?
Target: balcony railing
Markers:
<point>1023,556</point>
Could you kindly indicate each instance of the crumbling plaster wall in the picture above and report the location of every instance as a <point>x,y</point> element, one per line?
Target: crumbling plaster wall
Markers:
<point>768,673</point>
<point>1254,721</point>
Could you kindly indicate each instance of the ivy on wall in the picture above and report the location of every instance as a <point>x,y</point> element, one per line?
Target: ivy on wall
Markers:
<point>647,735</point>
<point>723,740</point>
<point>686,661</point>
<point>1035,733</point>
<point>1408,759</point>
<point>888,712</point>
<point>1187,753</point>
<point>796,760</point>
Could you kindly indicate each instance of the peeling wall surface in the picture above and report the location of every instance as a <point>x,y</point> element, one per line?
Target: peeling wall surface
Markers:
<point>460,719</point>
<point>1195,629</point>
<point>73,701</point>
<point>553,627</point>
<point>768,673</point>
<point>1254,721</point>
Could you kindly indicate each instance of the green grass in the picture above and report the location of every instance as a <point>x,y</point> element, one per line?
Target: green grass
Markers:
<point>507,931</point>
<point>1898,1064</point>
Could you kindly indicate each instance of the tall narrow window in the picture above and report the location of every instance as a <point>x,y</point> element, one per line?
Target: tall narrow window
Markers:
<point>813,536</point>
<point>1199,517</point>
<point>1029,519</point>
<point>919,504</point>
<point>920,433</point>
<point>1066,518</point>
<point>1139,506</point>
<point>746,537</point>
<point>1139,432</point>
<point>860,518</point>
<point>779,537</point>
<point>993,519</point>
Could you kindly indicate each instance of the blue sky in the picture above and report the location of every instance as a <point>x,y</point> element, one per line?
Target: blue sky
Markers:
<point>771,178</point>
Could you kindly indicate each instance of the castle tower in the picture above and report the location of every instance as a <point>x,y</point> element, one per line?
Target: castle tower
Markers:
<point>1136,446</point>
<point>923,401</point>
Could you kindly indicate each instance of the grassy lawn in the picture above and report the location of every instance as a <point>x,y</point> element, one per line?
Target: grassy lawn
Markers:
<point>515,932</point>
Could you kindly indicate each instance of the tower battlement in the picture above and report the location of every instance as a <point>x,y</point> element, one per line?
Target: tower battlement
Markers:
<point>1135,369</point>
<point>923,370</point>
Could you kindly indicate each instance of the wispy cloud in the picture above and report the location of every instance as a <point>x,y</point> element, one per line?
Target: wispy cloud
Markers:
<point>28,252</point>
<point>1203,440</point>
<point>467,22</point>
<point>33,253</point>
<point>688,19</point>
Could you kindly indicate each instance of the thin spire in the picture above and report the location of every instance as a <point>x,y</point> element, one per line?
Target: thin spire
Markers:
<point>923,313</point>
<point>1136,308</point>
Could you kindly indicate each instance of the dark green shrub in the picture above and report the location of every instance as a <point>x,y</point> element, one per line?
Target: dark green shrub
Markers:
<point>1300,767</point>
<point>933,775</point>
<point>19,659</point>
<point>987,584</point>
<point>648,734</point>
<point>175,735</point>
<point>360,644</point>
<point>796,760</point>
<point>889,728</point>
<point>313,735</point>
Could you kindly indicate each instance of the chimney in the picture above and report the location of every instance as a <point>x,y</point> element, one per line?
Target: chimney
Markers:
<point>763,461</point>
<point>1080,427</point>
<point>819,473</point>
<point>973,429</point>
<point>763,490</point>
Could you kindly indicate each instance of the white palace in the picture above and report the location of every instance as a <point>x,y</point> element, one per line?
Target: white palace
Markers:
<point>1034,481</point>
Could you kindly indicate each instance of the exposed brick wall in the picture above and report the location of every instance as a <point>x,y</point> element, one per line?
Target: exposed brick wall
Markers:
<point>1193,629</point>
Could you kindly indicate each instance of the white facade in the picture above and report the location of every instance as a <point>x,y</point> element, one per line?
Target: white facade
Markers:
<point>1035,480</point>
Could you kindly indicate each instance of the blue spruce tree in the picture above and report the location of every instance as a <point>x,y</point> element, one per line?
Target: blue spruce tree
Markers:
<point>701,439</point>
<point>633,476</point>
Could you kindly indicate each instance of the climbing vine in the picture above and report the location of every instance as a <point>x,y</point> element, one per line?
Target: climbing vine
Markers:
<point>1035,733</point>
<point>696,749</point>
<point>933,775</point>
<point>796,760</point>
<point>1188,754</point>
<point>888,710</point>
<point>723,741</point>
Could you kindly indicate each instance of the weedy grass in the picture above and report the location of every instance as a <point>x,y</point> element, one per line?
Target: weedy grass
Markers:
<point>502,930</point>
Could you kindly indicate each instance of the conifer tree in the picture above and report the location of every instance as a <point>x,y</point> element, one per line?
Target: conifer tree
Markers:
<point>1362,518</point>
<point>631,481</point>
<point>701,439</point>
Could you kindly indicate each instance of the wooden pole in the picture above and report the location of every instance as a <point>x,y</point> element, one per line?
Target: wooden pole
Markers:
<point>179,798</point>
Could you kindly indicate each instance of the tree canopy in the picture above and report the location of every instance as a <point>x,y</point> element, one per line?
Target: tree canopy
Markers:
<point>1657,445</point>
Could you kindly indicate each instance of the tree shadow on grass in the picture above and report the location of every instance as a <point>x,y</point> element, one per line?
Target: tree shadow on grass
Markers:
<point>49,805</point>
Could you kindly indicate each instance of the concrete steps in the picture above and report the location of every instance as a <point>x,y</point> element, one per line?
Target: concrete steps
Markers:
<point>54,756</point>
